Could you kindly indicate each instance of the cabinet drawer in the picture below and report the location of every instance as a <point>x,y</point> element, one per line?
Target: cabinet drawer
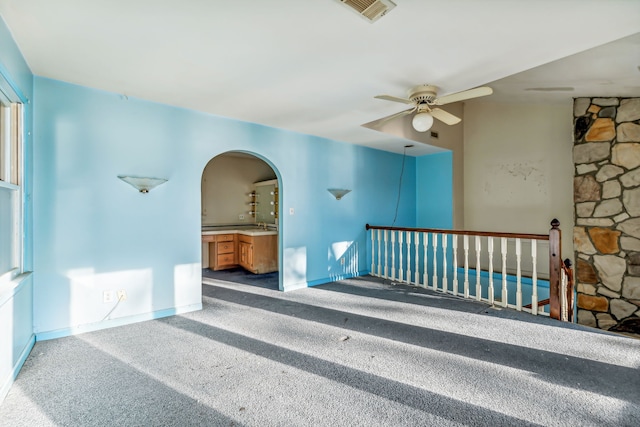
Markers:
<point>225,237</point>
<point>225,247</point>
<point>208,238</point>
<point>225,259</point>
<point>244,238</point>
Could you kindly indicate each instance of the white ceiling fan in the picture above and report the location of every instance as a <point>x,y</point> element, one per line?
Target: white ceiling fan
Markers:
<point>423,97</point>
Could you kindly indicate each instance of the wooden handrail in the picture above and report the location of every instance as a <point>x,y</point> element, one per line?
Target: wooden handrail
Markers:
<point>556,265</point>
<point>463,232</point>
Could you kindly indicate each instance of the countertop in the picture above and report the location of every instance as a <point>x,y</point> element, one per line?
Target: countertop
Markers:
<point>247,230</point>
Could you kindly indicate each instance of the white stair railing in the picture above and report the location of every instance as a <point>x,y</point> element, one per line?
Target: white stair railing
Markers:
<point>430,258</point>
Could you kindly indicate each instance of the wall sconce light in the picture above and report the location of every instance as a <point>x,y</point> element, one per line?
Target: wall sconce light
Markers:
<point>142,184</point>
<point>338,193</point>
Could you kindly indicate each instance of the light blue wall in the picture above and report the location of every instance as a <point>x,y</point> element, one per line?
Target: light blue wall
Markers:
<point>96,233</point>
<point>16,297</point>
<point>434,190</point>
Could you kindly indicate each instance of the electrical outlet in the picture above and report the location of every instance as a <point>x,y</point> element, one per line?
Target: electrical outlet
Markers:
<point>240,216</point>
<point>122,295</point>
<point>107,296</point>
<point>291,211</point>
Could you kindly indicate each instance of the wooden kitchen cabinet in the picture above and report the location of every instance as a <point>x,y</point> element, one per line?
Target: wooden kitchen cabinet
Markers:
<point>223,252</point>
<point>258,254</point>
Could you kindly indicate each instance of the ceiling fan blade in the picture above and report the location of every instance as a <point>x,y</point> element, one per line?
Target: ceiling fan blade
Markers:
<point>394,99</point>
<point>378,122</point>
<point>465,94</point>
<point>444,116</point>
<point>396,115</point>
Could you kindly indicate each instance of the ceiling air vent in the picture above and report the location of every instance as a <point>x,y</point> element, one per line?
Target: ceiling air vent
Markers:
<point>371,10</point>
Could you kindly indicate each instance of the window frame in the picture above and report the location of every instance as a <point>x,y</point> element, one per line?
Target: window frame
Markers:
<point>12,175</point>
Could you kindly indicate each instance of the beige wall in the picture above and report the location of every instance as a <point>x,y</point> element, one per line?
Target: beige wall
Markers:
<point>518,172</point>
<point>452,138</point>
<point>226,181</point>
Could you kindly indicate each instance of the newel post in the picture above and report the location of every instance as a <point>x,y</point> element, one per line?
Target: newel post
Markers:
<point>555,265</point>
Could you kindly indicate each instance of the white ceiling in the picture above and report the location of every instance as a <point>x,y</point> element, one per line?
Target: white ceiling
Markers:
<point>314,66</point>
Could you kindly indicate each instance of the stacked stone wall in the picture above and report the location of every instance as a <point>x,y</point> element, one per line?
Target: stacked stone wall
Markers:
<point>606,154</point>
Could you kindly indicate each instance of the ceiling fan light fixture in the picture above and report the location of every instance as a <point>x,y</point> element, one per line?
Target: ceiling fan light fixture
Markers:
<point>422,122</point>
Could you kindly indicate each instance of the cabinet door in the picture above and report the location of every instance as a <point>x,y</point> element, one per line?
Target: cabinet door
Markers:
<point>244,254</point>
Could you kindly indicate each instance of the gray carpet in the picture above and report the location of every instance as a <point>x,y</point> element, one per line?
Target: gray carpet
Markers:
<point>358,352</point>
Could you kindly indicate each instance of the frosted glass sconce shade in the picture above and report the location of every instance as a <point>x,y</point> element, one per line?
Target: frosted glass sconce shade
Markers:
<point>338,193</point>
<point>142,184</point>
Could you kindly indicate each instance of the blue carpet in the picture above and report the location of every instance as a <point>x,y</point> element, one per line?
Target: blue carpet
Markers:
<point>240,275</point>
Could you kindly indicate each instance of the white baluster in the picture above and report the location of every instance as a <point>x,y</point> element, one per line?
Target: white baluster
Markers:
<point>425,263</point>
<point>490,250</point>
<point>466,265</point>
<point>534,277</point>
<point>434,242</point>
<point>454,245</point>
<point>518,275</point>
<point>564,304</point>
<point>386,255</point>
<point>478,285</point>
<point>409,257</point>
<point>393,255</point>
<point>503,251</point>
<point>445,284</point>
<point>379,259</point>
<point>373,249</point>
<point>417,272</point>
<point>400,264</point>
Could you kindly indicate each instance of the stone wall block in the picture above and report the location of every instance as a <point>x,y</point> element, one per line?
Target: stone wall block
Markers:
<point>611,189</point>
<point>586,273</point>
<point>628,132</point>
<point>594,109</point>
<point>593,303</point>
<point>606,102</point>
<point>605,240</point>
<point>590,152</point>
<point>607,112</point>
<point>586,189</point>
<point>631,288</point>
<point>610,269</point>
<point>586,318</point>
<point>581,241</point>
<point>622,217</point>
<point>633,263</point>
<point>585,209</point>
<point>626,155</point>
<point>629,243</point>
<point>608,208</point>
<point>607,172</point>
<point>622,309</point>
<point>629,110</point>
<point>585,288</point>
<point>580,106</point>
<point>630,227</point>
<point>586,168</point>
<point>631,200</point>
<point>602,129</point>
<point>595,222</point>
<point>605,321</point>
<point>603,290</point>
<point>631,179</point>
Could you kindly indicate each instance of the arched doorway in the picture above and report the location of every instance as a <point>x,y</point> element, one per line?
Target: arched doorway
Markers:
<point>241,220</point>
